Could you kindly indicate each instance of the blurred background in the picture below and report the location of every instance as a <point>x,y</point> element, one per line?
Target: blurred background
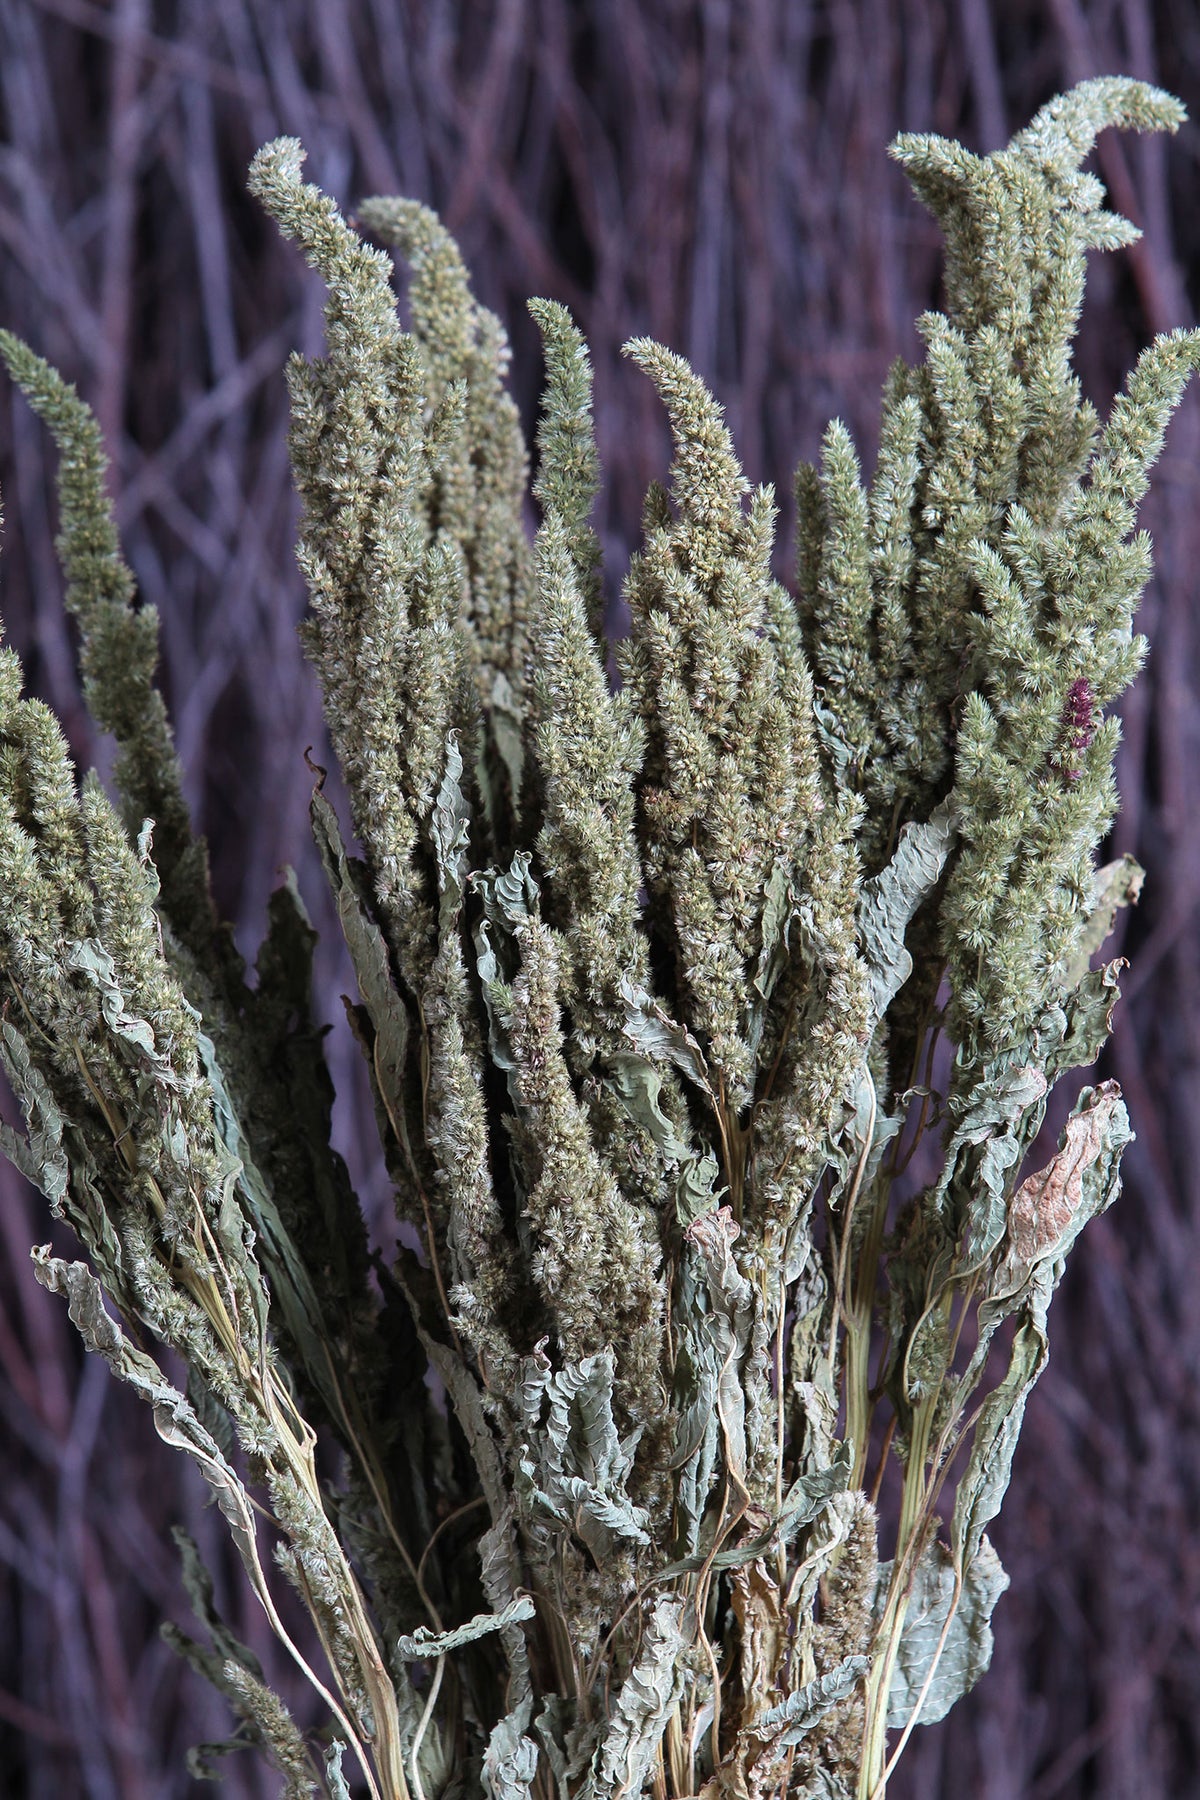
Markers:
<point>713,173</point>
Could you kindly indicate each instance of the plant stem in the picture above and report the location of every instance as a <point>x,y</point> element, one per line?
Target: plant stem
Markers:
<point>908,1546</point>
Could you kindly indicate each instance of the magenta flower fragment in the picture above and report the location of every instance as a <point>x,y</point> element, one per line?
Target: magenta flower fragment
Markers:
<point>1078,727</point>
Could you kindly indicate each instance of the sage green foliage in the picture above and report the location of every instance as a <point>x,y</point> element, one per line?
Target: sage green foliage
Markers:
<point>649,986</point>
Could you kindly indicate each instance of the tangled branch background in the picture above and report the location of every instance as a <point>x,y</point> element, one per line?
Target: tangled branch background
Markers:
<point>714,178</point>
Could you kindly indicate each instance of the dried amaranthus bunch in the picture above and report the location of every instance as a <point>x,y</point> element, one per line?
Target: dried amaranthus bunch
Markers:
<point>651,989</point>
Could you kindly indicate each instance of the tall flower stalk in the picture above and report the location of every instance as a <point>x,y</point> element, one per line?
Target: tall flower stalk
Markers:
<point>651,991</point>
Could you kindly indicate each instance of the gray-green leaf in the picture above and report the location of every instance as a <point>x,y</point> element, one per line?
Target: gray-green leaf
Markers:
<point>796,1716</point>
<point>962,1631</point>
<point>426,1643</point>
<point>890,899</point>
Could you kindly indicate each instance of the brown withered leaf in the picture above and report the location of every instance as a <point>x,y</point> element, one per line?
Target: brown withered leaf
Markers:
<point>1043,1209</point>
<point>755,1599</point>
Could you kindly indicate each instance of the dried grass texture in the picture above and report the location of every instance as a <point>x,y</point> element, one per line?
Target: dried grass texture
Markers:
<point>714,176</point>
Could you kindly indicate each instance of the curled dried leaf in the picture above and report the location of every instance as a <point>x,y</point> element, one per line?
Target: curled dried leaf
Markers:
<point>1045,1206</point>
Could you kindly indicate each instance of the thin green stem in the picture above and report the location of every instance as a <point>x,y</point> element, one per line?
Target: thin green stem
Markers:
<point>909,1540</point>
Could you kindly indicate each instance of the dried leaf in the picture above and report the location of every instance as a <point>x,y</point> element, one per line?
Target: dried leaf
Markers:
<point>779,909</point>
<point>291,1284</point>
<point>890,899</point>
<point>40,1157</point>
<point>1086,1017</point>
<point>568,1747</point>
<point>90,958</point>
<point>198,1586</point>
<point>757,1603</point>
<point>995,1123</point>
<point>425,1643</point>
<point>510,1758</point>
<point>369,954</point>
<point>573,1467</point>
<point>500,1571</point>
<point>174,1419</point>
<point>338,1788</point>
<point>1098,1130</point>
<point>727,1325</point>
<point>957,1652</point>
<point>984,1483</point>
<point>450,826</point>
<point>1049,1209</point>
<point>648,1696</point>
<point>510,896</point>
<point>804,1502</point>
<point>697,1433</point>
<point>787,1723</point>
<point>1115,885</point>
<point>652,1031</point>
<point>504,717</point>
<point>638,1084</point>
